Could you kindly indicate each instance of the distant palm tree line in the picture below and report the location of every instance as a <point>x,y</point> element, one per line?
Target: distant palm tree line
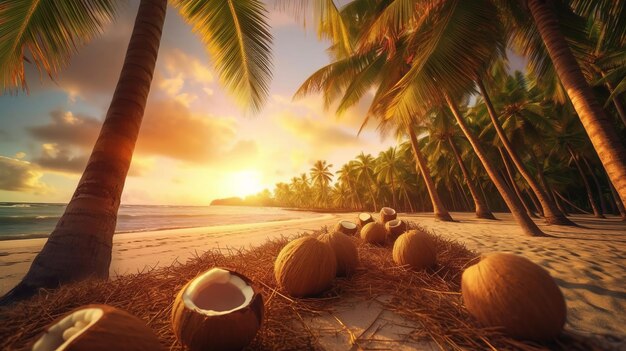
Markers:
<point>546,139</point>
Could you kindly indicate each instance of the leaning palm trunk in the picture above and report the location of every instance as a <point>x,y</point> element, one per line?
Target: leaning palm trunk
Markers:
<point>597,184</point>
<point>482,210</point>
<point>514,185</point>
<point>596,211</point>
<point>80,245</point>
<point>618,202</point>
<point>438,208</point>
<point>552,215</point>
<point>528,226</point>
<point>600,129</point>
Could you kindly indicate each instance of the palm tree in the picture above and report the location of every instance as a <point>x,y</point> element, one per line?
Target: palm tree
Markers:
<point>235,33</point>
<point>348,174</point>
<point>321,176</point>
<point>388,170</point>
<point>365,173</point>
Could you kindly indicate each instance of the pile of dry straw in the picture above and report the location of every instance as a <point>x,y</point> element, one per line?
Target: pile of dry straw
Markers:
<point>428,300</point>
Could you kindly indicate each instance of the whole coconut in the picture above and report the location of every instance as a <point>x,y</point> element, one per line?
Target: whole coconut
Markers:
<point>395,227</point>
<point>374,233</point>
<point>305,267</point>
<point>509,291</point>
<point>387,214</point>
<point>217,310</point>
<point>346,227</point>
<point>97,328</point>
<point>416,249</point>
<point>345,252</point>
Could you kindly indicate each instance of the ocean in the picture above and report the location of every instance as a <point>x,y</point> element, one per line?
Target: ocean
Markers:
<point>37,220</point>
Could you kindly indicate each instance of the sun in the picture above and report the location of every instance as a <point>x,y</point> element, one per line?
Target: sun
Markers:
<point>246,182</point>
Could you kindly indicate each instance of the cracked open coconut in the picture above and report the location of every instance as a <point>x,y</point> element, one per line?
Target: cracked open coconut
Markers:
<point>387,214</point>
<point>97,328</point>
<point>395,227</point>
<point>305,267</point>
<point>346,227</point>
<point>365,218</point>
<point>217,310</point>
<point>511,292</point>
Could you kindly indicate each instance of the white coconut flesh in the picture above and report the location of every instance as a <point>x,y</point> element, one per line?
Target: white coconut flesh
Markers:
<point>217,292</point>
<point>348,224</point>
<point>365,216</point>
<point>389,211</point>
<point>395,223</point>
<point>60,335</point>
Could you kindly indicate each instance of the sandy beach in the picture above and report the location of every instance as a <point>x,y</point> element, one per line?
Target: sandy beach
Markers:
<point>587,262</point>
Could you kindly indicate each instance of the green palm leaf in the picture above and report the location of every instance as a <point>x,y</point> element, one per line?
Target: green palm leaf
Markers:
<point>237,36</point>
<point>47,33</point>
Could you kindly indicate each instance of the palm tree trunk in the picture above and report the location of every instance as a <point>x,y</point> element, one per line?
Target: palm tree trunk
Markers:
<point>438,208</point>
<point>514,185</point>
<point>596,211</point>
<point>558,203</point>
<point>394,198</point>
<point>552,215</point>
<point>618,202</point>
<point>571,203</point>
<point>371,181</point>
<point>597,183</point>
<point>484,197</point>
<point>408,199</point>
<point>466,202</point>
<point>528,226</point>
<point>600,129</point>
<point>535,202</point>
<point>482,210</point>
<point>80,245</point>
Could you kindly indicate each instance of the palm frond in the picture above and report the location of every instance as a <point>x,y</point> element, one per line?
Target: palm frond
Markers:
<point>46,33</point>
<point>237,36</point>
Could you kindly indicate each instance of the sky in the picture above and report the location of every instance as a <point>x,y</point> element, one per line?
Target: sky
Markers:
<point>196,144</point>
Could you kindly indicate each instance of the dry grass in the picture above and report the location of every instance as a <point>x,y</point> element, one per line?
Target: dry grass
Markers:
<point>430,301</point>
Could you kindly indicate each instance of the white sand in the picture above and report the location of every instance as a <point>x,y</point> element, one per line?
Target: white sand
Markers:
<point>588,263</point>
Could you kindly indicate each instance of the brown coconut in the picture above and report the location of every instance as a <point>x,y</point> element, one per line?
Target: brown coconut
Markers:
<point>509,291</point>
<point>374,233</point>
<point>365,218</point>
<point>218,310</point>
<point>415,249</point>
<point>305,267</point>
<point>387,214</point>
<point>345,252</point>
<point>97,328</point>
<point>346,227</point>
<point>395,227</point>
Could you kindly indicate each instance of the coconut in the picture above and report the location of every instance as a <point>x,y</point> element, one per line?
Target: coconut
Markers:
<point>346,227</point>
<point>374,233</point>
<point>97,328</point>
<point>305,267</point>
<point>217,310</point>
<point>415,249</point>
<point>509,291</point>
<point>345,252</point>
<point>395,227</point>
<point>365,218</point>
<point>387,214</point>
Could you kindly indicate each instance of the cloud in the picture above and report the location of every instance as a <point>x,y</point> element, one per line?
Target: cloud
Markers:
<point>67,128</point>
<point>317,131</point>
<point>18,175</point>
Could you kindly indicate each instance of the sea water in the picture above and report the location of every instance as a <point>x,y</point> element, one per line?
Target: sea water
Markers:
<point>36,220</point>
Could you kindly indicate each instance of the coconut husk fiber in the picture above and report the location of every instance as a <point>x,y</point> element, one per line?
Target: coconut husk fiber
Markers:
<point>430,300</point>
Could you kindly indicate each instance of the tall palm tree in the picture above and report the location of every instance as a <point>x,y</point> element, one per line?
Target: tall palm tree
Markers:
<point>321,176</point>
<point>348,174</point>
<point>365,172</point>
<point>388,170</point>
<point>235,33</point>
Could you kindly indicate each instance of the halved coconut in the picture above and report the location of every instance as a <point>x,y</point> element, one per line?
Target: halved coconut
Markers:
<point>346,227</point>
<point>217,310</point>
<point>387,214</point>
<point>305,267</point>
<point>415,249</point>
<point>345,252</point>
<point>374,233</point>
<point>509,291</point>
<point>98,328</point>
<point>365,218</point>
<point>395,227</point>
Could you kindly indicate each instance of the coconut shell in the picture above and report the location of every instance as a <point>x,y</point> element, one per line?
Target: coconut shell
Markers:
<point>115,330</point>
<point>387,214</point>
<point>231,331</point>
<point>374,233</point>
<point>509,291</point>
<point>364,218</point>
<point>345,252</point>
<point>305,267</point>
<point>415,249</point>
<point>346,227</point>
<point>395,227</point>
